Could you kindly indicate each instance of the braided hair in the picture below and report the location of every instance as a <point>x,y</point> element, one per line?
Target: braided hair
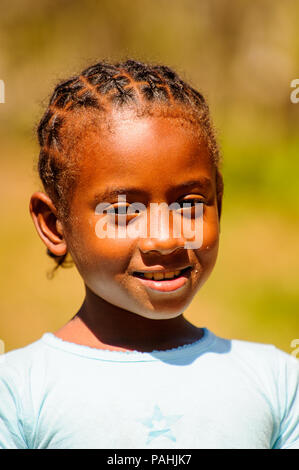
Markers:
<point>99,88</point>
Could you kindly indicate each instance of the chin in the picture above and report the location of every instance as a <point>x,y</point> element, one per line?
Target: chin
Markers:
<point>159,315</point>
<point>154,307</point>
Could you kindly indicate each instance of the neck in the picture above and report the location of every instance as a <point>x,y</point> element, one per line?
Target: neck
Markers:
<point>102,325</point>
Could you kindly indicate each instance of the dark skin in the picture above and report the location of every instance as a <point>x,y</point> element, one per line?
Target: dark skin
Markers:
<point>155,155</point>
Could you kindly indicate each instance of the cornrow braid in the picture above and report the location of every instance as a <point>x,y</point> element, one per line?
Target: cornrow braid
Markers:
<point>100,87</point>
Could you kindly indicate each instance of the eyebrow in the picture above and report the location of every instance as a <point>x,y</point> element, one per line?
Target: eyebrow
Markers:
<point>203,183</point>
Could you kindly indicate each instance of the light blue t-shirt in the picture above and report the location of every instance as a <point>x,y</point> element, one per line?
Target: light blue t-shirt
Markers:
<point>214,393</point>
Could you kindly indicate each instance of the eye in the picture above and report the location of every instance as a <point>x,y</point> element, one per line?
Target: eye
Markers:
<point>120,213</point>
<point>120,209</point>
<point>188,204</point>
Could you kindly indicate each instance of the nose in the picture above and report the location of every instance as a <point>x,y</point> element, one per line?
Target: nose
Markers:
<point>164,247</point>
<point>161,239</point>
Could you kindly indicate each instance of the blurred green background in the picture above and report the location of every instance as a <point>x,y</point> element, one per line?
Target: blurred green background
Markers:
<point>242,55</point>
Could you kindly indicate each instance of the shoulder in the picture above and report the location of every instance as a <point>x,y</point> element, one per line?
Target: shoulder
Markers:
<point>261,354</point>
<point>267,368</point>
<point>279,367</point>
<point>275,374</point>
<point>21,368</point>
<point>15,401</point>
<point>18,361</point>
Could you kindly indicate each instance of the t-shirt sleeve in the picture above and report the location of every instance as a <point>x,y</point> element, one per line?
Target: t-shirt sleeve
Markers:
<point>288,393</point>
<point>11,432</point>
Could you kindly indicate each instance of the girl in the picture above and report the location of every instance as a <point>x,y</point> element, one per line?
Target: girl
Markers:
<point>128,370</point>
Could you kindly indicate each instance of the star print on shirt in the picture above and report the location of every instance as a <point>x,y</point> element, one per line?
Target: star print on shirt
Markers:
<point>159,425</point>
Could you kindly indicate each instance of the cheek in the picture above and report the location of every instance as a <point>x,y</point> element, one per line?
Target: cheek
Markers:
<point>102,257</point>
<point>210,234</point>
<point>113,255</point>
<point>207,253</point>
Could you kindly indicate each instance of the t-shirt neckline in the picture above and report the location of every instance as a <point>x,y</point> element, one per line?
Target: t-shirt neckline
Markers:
<point>105,354</point>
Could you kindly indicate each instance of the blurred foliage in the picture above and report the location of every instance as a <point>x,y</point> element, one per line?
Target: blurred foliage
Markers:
<point>242,56</point>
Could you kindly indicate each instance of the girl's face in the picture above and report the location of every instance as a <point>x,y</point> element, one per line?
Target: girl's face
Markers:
<point>149,160</point>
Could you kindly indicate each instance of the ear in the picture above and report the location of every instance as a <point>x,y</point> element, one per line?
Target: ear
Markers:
<point>49,228</point>
<point>219,190</point>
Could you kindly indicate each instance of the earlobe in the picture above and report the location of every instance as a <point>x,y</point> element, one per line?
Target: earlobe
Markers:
<point>49,228</point>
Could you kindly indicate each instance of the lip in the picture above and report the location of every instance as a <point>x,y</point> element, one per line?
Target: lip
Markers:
<point>166,285</point>
<point>162,270</point>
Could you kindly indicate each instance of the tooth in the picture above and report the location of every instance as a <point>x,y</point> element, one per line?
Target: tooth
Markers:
<point>148,275</point>
<point>176,273</point>
<point>158,276</point>
<point>169,275</point>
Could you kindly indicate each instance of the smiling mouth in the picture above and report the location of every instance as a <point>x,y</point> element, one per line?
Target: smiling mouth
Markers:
<point>162,276</point>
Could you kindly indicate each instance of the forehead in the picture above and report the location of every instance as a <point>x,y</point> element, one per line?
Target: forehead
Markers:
<point>151,152</point>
